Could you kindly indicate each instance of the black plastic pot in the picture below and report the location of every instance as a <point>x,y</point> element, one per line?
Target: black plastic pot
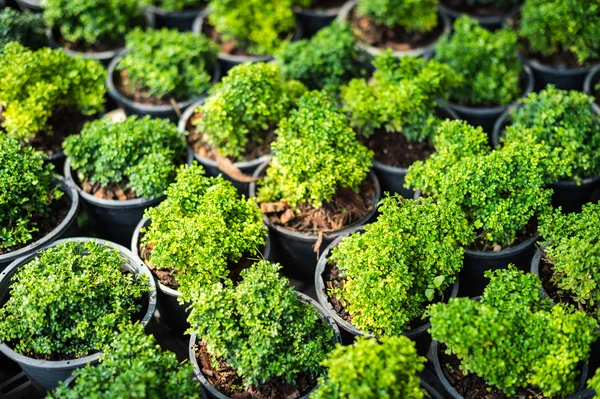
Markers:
<point>314,20</point>
<point>30,5</point>
<point>104,57</point>
<point>67,228</point>
<point>592,78</point>
<point>561,77</point>
<point>295,250</point>
<point>180,20</point>
<point>47,374</point>
<point>491,22</point>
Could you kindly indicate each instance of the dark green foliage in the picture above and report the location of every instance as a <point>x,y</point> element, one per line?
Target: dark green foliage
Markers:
<point>25,28</point>
<point>513,338</point>
<point>260,327</point>
<point>486,61</point>
<point>135,367</point>
<point>168,63</point>
<point>400,263</point>
<point>70,301</point>
<point>178,5</point>
<point>140,153</point>
<point>26,192</point>
<point>316,152</point>
<point>412,15</point>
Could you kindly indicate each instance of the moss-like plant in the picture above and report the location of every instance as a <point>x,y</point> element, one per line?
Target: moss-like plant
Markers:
<point>36,83</point>
<point>78,308</point>
<point>201,227</point>
<point>412,15</point>
<point>178,5</point>
<point>513,337</point>
<point>139,154</point>
<point>132,366</point>
<point>486,61</point>
<point>250,101</point>
<point>167,63</point>
<point>564,123</point>
<point>25,28</point>
<point>316,152</point>
<point>260,327</point>
<point>500,191</point>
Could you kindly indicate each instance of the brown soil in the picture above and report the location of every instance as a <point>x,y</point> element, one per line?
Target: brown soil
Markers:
<point>113,191</point>
<point>394,150</point>
<point>135,93</point>
<point>327,4</point>
<point>83,47</point>
<point>480,244</point>
<point>226,380</point>
<point>478,10</point>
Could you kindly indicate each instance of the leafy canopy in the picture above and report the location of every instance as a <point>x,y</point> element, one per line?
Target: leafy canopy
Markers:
<point>412,15</point>
<point>178,5</point>
<point>594,383</point>
<point>25,28</point>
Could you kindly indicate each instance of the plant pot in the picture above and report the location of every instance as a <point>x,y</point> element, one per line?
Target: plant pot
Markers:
<point>104,57</point>
<point>295,250</point>
<point>561,77</point>
<point>47,374</point>
<point>592,79</point>
<point>67,228</point>
<point>213,392</point>
<point>180,20</point>
<point>313,20</point>
<point>491,22</point>
<point>30,5</point>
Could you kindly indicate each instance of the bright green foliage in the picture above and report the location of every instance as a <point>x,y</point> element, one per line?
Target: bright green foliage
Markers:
<point>143,153</point>
<point>69,301</point>
<point>412,15</point>
<point>133,366</point>
<point>35,83</point>
<point>316,152</point>
<point>566,126</point>
<point>168,63</point>
<point>260,327</point>
<point>400,263</point>
<point>25,28</point>
<point>327,61</point>
<point>201,227</point>
<point>251,99</point>
<point>369,369</point>
<point>178,5</point>
<point>26,191</point>
<point>554,26</point>
<point>400,97</point>
<point>499,191</point>
<point>513,338</point>
<point>574,252</point>
<point>486,61</point>
<point>594,383</point>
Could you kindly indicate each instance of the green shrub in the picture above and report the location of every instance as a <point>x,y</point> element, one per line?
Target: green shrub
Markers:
<point>251,99</point>
<point>564,123</point>
<point>500,191</point>
<point>260,328</point>
<point>369,369</point>
<point>168,63</point>
<point>412,15</point>
<point>178,5</point>
<point>316,152</point>
<point>133,366</point>
<point>514,338</point>
<point>201,227</point>
<point>36,83</point>
<point>69,301</point>
<point>400,97</point>
<point>555,26</point>
<point>140,154</point>
<point>25,28</point>
<point>486,61</point>
<point>594,383</point>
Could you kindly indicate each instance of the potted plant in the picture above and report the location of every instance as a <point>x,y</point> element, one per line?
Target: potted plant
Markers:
<point>236,125</point>
<point>64,304</point>
<point>591,87</point>
<point>162,72</point>
<point>501,192</point>
<point>396,115</point>
<point>405,27</point>
<point>317,185</point>
<point>314,15</point>
<point>565,125</point>
<point>491,14</point>
<point>26,28</point>
<point>201,233</point>
<point>493,77</point>
<point>258,338</point>
<point>122,168</point>
<point>559,41</point>
<point>505,342</point>
<point>48,214</point>
<point>174,14</point>
<point>46,96</point>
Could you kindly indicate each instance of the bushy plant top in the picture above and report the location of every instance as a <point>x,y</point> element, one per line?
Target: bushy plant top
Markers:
<point>412,15</point>
<point>486,61</point>
<point>316,152</point>
<point>251,99</point>
<point>35,83</point>
<point>25,28</point>
<point>178,5</point>
<point>499,191</point>
<point>400,263</point>
<point>400,97</point>
<point>132,366</point>
<point>140,153</point>
<point>513,338</point>
<point>260,328</point>
<point>564,123</point>
<point>594,383</point>
<point>168,63</point>
<point>69,301</point>
<point>556,26</point>
<point>369,369</point>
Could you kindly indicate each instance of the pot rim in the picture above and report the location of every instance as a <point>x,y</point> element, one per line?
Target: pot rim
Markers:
<point>505,252</point>
<point>330,12</point>
<point>174,14</point>
<point>587,85</point>
<point>499,19</point>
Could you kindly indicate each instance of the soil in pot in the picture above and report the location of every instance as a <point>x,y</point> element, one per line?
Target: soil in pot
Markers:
<point>113,191</point>
<point>82,47</point>
<point>393,149</point>
<point>477,10</point>
<point>138,94</point>
<point>480,244</point>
